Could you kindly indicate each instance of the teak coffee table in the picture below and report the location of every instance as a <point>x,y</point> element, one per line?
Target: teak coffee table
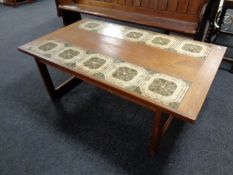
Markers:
<point>165,73</point>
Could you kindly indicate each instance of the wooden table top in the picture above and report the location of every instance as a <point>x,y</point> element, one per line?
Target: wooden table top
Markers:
<point>158,71</point>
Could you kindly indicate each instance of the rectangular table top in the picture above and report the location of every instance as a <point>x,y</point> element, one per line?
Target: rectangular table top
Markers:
<point>158,71</point>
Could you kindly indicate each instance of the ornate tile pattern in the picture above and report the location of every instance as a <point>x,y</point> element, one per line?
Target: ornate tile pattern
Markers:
<point>69,54</point>
<point>148,83</point>
<point>192,48</point>
<point>47,46</point>
<point>94,64</point>
<point>172,43</point>
<point>124,74</point>
<point>92,25</point>
<point>162,86</point>
<point>165,88</point>
<point>134,35</point>
<point>162,41</point>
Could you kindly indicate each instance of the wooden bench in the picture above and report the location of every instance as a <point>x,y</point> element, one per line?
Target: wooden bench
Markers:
<point>164,73</point>
<point>185,16</point>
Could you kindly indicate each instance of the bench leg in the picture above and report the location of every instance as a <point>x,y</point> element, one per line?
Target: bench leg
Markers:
<point>61,89</point>
<point>158,131</point>
<point>167,32</point>
<point>70,17</point>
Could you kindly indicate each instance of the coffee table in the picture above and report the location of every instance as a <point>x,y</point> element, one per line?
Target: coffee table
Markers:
<point>165,73</point>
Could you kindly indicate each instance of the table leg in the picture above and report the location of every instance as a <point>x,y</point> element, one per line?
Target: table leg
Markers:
<point>158,131</point>
<point>61,89</point>
<point>46,78</point>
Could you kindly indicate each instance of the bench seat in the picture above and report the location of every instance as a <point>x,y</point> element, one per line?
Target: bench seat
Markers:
<point>152,21</point>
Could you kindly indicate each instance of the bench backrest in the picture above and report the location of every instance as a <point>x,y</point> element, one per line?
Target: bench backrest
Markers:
<point>185,16</point>
<point>185,10</point>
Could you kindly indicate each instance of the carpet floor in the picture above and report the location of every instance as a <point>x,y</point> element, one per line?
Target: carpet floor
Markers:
<point>90,131</point>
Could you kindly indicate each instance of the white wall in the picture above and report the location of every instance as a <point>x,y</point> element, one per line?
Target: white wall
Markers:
<point>1,1</point>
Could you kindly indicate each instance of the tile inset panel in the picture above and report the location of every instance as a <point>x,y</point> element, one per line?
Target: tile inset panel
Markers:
<point>151,84</point>
<point>172,43</point>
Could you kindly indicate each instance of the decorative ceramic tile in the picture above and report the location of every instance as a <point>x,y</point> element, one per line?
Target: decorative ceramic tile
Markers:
<point>166,89</point>
<point>172,43</point>
<point>156,86</point>
<point>68,55</point>
<point>92,25</point>
<point>135,35</point>
<point>125,74</point>
<point>162,41</point>
<point>47,47</point>
<point>193,48</point>
<point>162,87</point>
<point>95,64</point>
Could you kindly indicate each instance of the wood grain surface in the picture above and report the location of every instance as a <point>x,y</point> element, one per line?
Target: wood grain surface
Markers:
<point>200,72</point>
